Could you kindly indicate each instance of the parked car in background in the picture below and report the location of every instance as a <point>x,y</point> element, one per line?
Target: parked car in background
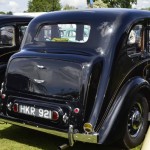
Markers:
<point>11,33</point>
<point>94,88</point>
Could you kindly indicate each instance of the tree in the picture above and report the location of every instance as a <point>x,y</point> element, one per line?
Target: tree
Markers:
<point>99,4</point>
<point>9,13</point>
<point>120,3</point>
<point>88,1</point>
<point>146,8</point>
<point>67,7</point>
<point>1,12</point>
<point>43,5</point>
<point>89,4</point>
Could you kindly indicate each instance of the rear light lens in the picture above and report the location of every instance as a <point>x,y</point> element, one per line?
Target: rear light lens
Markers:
<point>15,107</point>
<point>76,110</point>
<point>3,96</point>
<point>55,115</point>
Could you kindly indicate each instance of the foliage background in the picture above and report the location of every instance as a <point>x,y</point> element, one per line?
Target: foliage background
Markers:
<point>43,5</point>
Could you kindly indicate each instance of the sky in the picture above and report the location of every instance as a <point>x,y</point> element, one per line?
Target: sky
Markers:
<point>21,5</point>
<point>142,4</point>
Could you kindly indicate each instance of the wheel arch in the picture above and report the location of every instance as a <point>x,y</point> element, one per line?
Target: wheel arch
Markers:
<point>120,106</point>
<point>146,92</point>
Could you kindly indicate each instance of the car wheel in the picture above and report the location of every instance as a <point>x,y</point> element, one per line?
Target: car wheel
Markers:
<point>137,122</point>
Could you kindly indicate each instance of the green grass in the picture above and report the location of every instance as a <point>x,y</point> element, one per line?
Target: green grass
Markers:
<point>18,138</point>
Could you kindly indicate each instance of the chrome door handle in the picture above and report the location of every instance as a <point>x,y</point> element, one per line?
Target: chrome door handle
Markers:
<point>40,66</point>
<point>39,81</point>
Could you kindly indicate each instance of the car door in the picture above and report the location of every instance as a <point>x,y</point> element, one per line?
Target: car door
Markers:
<point>128,57</point>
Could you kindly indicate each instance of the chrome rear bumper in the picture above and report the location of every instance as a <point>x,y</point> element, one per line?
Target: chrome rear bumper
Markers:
<point>89,138</point>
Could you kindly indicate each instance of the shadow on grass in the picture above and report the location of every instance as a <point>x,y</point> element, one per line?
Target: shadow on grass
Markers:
<point>42,140</point>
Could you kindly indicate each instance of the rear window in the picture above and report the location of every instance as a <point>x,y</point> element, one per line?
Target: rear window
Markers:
<point>63,33</point>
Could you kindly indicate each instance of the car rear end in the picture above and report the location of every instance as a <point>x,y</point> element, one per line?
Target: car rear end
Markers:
<point>46,85</point>
<point>47,94</point>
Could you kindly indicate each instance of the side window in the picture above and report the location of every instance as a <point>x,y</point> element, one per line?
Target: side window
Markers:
<point>7,36</point>
<point>147,38</point>
<point>22,30</point>
<point>135,41</point>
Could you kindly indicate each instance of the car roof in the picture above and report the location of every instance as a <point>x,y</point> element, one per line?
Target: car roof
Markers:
<point>91,15</point>
<point>9,18</point>
<point>105,24</point>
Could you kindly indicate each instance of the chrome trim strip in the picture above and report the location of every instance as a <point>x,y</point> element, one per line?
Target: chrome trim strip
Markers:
<point>89,138</point>
<point>40,66</point>
<point>38,81</point>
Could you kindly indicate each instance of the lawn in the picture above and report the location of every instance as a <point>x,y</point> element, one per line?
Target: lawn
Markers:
<point>18,138</point>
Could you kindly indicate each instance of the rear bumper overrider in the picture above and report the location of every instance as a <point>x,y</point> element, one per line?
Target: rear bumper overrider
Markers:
<point>72,137</point>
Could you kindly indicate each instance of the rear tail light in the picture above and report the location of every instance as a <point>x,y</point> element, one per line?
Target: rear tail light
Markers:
<point>76,110</point>
<point>15,107</point>
<point>3,96</point>
<point>55,115</point>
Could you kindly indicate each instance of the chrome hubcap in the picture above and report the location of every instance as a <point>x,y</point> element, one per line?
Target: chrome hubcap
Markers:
<point>135,120</point>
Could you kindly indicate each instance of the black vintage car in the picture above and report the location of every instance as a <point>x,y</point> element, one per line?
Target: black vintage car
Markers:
<point>82,75</point>
<point>12,29</point>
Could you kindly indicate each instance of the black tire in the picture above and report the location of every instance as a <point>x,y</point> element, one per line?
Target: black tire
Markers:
<point>137,122</point>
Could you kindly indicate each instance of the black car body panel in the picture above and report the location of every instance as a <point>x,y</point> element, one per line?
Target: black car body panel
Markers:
<point>55,73</point>
<point>84,84</point>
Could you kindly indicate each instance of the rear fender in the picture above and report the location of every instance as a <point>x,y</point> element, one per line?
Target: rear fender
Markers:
<point>119,107</point>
